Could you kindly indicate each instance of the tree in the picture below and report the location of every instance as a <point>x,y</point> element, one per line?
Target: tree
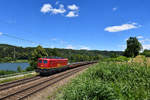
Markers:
<point>114,55</point>
<point>55,52</point>
<point>37,53</point>
<point>19,69</point>
<point>133,47</point>
<point>146,53</point>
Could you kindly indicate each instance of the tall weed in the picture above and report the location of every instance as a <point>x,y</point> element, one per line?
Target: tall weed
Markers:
<point>110,81</point>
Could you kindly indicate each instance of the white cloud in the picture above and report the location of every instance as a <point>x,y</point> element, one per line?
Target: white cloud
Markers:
<point>1,33</point>
<point>72,14</point>
<point>54,39</point>
<point>73,7</point>
<point>69,47</point>
<point>114,9</point>
<point>146,46</point>
<point>59,10</point>
<point>57,2</point>
<point>85,48</point>
<point>46,8</point>
<point>145,40</point>
<point>140,37</point>
<point>121,27</point>
<point>74,11</point>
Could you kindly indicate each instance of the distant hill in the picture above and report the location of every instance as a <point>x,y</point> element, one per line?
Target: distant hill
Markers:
<point>6,46</point>
<point>7,50</point>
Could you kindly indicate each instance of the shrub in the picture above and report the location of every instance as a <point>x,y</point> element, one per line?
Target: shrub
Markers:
<point>118,59</point>
<point>5,72</point>
<point>110,81</point>
<point>122,58</point>
<point>30,68</point>
<point>19,69</point>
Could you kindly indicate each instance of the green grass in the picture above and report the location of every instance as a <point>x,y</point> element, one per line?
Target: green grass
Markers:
<point>19,61</point>
<point>16,61</point>
<point>6,72</point>
<point>109,81</point>
<point>17,78</point>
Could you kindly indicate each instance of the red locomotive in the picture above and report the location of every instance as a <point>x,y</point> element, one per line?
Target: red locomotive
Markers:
<point>50,64</point>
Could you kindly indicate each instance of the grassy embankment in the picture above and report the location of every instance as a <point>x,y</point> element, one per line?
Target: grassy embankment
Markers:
<point>110,81</point>
<point>14,61</point>
<point>17,78</point>
<point>6,72</point>
<point>19,61</point>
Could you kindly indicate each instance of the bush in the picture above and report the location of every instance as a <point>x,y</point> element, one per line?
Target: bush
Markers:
<point>110,81</point>
<point>30,68</point>
<point>19,69</point>
<point>6,59</point>
<point>5,72</point>
<point>118,59</point>
<point>146,53</point>
<point>122,58</point>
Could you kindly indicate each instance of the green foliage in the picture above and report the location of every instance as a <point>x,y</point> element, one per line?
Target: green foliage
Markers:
<point>122,59</point>
<point>78,58</point>
<point>38,52</point>
<point>146,53</point>
<point>19,61</point>
<point>118,59</point>
<point>19,69</point>
<point>110,81</point>
<point>114,55</point>
<point>17,78</point>
<point>6,72</point>
<point>26,53</point>
<point>133,47</point>
<point>6,59</point>
<point>30,68</point>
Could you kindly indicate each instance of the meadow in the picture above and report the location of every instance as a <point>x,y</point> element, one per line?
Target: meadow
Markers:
<point>110,81</point>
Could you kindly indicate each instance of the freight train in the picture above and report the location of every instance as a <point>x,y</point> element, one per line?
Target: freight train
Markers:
<point>50,65</point>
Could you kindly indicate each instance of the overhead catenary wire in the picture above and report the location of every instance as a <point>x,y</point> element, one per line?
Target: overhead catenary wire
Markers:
<point>22,39</point>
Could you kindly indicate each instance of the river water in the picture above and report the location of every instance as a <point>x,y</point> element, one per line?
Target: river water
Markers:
<point>13,66</point>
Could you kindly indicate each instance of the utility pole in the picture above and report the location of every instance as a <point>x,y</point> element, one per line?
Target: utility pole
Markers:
<point>14,54</point>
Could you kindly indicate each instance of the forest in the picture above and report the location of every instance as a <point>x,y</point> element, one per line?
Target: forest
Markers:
<point>13,53</point>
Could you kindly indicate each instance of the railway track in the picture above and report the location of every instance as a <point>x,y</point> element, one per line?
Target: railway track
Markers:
<point>26,90</point>
<point>18,82</point>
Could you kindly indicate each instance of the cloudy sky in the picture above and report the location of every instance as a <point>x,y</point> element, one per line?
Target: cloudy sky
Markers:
<point>75,24</point>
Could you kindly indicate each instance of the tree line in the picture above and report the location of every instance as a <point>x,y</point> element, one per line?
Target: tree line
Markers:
<point>7,53</point>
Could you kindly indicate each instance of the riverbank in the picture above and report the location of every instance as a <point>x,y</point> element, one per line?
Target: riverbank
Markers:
<point>17,61</point>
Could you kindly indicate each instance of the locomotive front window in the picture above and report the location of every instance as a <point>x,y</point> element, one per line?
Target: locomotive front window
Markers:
<point>45,61</point>
<point>40,61</point>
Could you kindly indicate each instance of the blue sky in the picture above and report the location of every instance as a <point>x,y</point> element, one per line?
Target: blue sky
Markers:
<point>76,24</point>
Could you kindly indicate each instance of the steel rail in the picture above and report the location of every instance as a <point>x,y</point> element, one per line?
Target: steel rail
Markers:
<point>18,82</point>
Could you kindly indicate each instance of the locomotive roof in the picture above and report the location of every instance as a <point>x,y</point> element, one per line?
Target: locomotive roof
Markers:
<point>53,58</point>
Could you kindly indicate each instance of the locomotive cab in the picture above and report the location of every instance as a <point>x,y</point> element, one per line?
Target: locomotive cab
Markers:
<point>42,63</point>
